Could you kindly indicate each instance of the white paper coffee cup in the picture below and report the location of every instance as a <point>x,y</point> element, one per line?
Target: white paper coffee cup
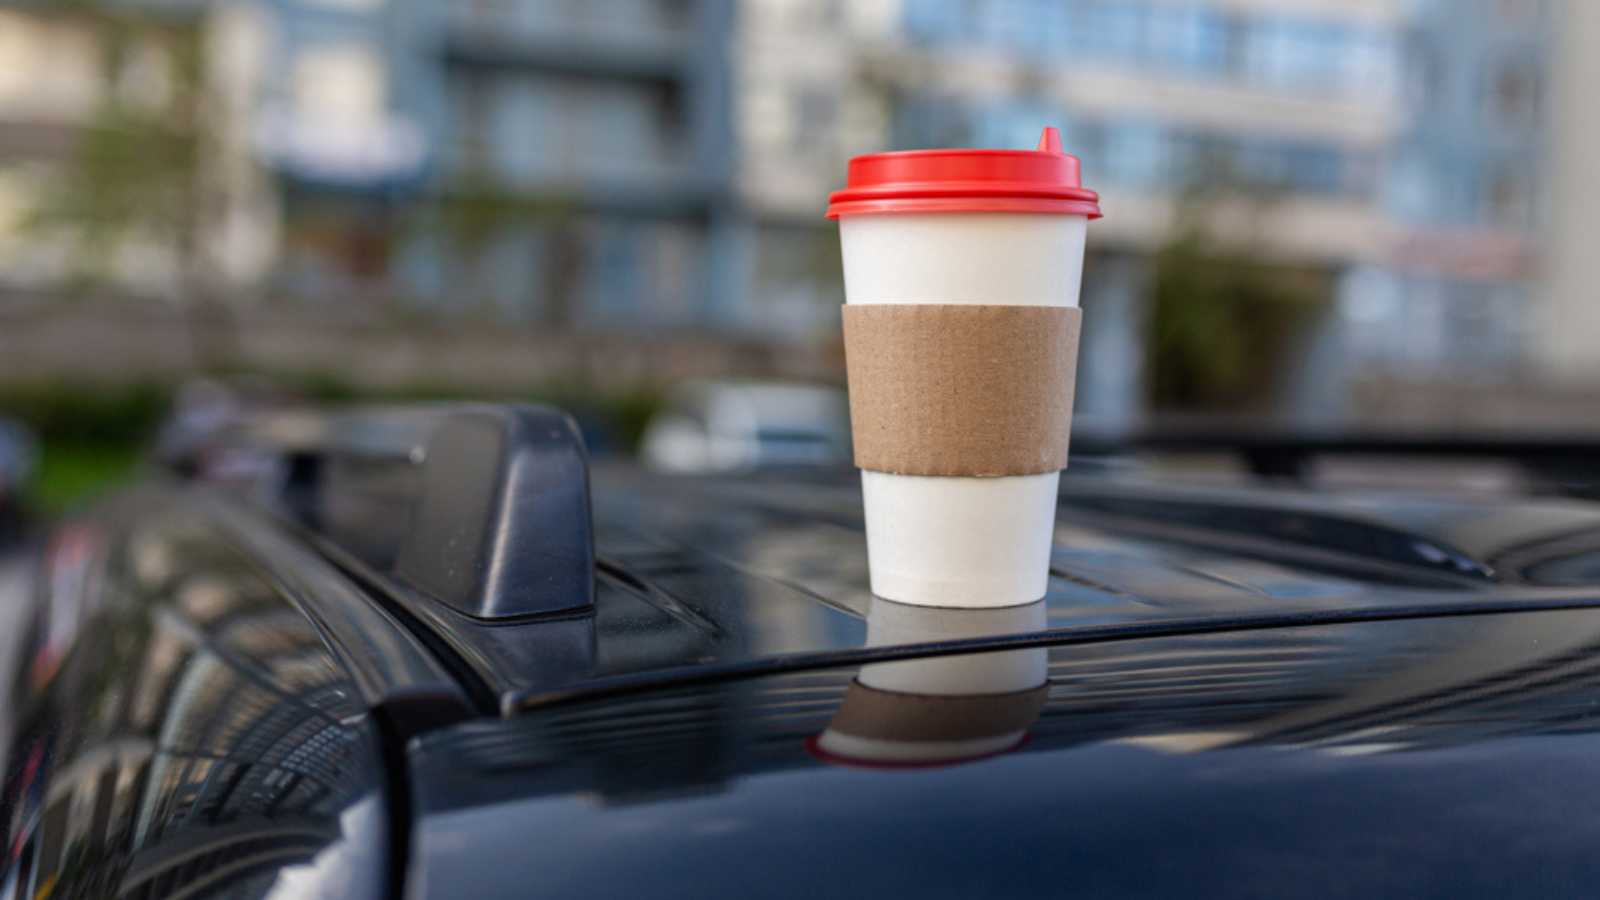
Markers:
<point>950,540</point>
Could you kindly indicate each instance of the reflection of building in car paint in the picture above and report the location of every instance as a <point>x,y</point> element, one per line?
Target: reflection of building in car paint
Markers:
<point>234,750</point>
<point>1236,691</point>
<point>1543,665</point>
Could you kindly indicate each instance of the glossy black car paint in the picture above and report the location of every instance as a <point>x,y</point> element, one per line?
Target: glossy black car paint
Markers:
<point>1296,763</point>
<point>181,728</point>
<point>1250,693</point>
<point>1435,736</point>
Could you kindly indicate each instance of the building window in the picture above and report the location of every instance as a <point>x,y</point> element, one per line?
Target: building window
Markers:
<point>1362,172</point>
<point>338,83</point>
<point>1087,140</point>
<point>1191,39</point>
<point>1513,99</point>
<point>351,5</point>
<point>1518,10</point>
<point>471,106</point>
<point>1296,55</point>
<point>933,22</point>
<point>1137,154</point>
<point>933,121</point>
<point>816,115</point>
<point>1017,124</point>
<point>1120,28</point>
<point>1371,66</point>
<point>1424,74</point>
<point>1509,197</point>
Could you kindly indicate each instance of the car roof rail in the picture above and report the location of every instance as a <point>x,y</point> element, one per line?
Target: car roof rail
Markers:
<point>1563,463</point>
<point>482,507</point>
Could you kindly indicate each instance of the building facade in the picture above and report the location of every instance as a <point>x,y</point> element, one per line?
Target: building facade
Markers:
<point>558,164</point>
<point>101,172</point>
<point>1463,199</point>
<point>639,165</point>
<point>1292,98</point>
<point>1566,324</point>
<point>594,137</point>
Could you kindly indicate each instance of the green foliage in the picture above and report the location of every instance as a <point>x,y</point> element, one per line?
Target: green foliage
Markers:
<point>477,207</point>
<point>621,412</point>
<point>69,473</point>
<point>1221,322</point>
<point>135,172</point>
<point>90,435</point>
<point>83,413</point>
<point>128,414</point>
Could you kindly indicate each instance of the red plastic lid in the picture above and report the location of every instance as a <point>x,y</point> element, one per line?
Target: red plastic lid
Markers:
<point>921,181</point>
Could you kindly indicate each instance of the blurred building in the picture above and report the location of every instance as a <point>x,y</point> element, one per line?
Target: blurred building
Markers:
<point>564,163</point>
<point>640,165</point>
<point>1406,149</point>
<point>97,177</point>
<point>38,126</point>
<point>1567,322</point>
<point>1450,297</point>
<point>322,111</point>
<point>1292,100</point>
<point>593,135</point>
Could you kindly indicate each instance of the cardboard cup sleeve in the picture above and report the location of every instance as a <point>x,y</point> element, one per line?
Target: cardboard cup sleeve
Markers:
<point>961,390</point>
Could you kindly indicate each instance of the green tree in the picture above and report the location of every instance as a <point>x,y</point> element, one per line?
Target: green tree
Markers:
<point>1222,316</point>
<point>137,175</point>
<point>478,208</point>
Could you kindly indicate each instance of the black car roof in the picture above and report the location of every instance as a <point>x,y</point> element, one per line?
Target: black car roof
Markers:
<point>1425,757</point>
<point>700,578</point>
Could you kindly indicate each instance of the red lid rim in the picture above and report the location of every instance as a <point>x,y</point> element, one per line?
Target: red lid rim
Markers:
<point>974,180</point>
<point>965,189</point>
<point>955,151</point>
<point>882,206</point>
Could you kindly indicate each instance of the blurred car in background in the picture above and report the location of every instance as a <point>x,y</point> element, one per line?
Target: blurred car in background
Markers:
<point>722,426</point>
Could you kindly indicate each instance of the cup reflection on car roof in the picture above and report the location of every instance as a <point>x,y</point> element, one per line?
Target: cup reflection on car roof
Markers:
<point>940,710</point>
